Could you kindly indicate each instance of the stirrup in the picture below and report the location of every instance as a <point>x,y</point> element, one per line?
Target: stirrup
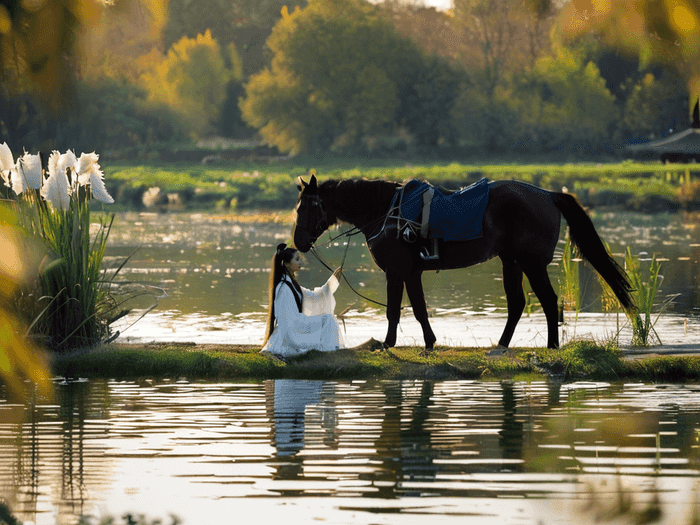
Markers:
<point>425,254</point>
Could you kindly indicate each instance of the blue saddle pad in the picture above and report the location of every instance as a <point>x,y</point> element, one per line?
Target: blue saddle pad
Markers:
<point>455,217</point>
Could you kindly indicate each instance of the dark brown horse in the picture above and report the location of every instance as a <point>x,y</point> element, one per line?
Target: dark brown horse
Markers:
<point>520,225</point>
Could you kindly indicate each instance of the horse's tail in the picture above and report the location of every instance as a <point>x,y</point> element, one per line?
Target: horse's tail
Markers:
<point>584,236</point>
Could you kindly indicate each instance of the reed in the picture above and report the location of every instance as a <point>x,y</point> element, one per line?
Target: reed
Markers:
<point>69,303</point>
<point>646,285</point>
<point>569,284</point>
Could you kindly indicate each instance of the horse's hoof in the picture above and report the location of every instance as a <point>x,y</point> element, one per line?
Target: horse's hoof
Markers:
<point>498,351</point>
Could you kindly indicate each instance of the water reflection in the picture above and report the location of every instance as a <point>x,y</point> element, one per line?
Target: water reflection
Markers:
<point>360,449</point>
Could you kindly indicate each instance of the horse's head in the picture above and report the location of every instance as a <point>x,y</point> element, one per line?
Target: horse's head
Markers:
<point>311,219</point>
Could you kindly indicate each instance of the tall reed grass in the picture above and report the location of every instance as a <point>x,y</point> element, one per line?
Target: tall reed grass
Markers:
<point>646,285</point>
<point>68,303</point>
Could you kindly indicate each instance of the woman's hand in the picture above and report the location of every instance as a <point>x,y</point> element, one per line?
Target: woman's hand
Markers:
<point>338,272</point>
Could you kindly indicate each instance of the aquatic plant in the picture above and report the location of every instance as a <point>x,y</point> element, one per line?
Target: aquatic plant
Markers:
<point>569,284</point>
<point>68,303</point>
<point>646,285</point>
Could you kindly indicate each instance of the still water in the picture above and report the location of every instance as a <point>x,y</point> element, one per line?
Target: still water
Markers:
<point>208,275</point>
<point>360,452</point>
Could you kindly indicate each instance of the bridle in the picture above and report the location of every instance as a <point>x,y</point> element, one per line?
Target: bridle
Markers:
<point>314,224</point>
<point>315,220</point>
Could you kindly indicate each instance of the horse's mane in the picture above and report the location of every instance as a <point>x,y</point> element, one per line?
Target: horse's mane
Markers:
<point>357,201</point>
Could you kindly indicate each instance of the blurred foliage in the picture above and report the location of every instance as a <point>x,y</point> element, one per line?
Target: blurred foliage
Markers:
<point>20,358</point>
<point>34,40</point>
<point>666,31</point>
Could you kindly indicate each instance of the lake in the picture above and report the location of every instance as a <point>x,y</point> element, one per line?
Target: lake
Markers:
<point>360,452</point>
<point>209,274</point>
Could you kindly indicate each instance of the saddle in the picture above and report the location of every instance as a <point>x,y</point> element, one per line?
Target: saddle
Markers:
<point>437,215</point>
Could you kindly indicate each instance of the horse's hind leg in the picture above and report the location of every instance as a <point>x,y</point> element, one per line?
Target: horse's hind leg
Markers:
<point>542,286</point>
<point>515,297</point>
<point>414,288</point>
<point>394,295</point>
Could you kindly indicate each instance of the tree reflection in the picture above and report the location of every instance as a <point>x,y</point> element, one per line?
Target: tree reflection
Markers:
<point>50,456</point>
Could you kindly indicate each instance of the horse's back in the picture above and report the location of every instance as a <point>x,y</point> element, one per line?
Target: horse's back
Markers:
<point>524,215</point>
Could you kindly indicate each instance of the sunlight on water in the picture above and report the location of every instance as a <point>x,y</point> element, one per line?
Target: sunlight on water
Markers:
<point>352,451</point>
<point>210,277</point>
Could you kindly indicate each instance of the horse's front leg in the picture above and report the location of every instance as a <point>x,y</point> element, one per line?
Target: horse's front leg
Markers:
<point>414,288</point>
<point>394,295</point>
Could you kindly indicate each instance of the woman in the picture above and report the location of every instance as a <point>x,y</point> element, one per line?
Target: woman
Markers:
<point>299,320</point>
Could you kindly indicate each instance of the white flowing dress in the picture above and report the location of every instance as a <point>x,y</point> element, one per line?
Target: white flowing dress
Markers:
<point>314,328</point>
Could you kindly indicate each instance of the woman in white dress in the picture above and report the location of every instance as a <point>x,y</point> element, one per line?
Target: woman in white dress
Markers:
<point>299,319</point>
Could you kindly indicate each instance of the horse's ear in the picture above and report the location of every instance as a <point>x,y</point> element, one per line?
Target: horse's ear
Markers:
<point>301,184</point>
<point>313,182</point>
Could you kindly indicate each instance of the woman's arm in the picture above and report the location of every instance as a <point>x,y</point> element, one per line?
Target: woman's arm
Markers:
<point>320,300</point>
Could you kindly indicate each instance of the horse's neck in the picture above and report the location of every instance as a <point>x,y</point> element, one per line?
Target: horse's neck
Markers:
<point>360,202</point>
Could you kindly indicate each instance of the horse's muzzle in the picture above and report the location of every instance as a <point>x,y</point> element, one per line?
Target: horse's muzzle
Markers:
<point>303,240</point>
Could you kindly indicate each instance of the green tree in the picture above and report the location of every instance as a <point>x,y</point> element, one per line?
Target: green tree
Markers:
<point>562,104</point>
<point>426,110</point>
<point>343,72</point>
<point>193,77</point>
<point>244,23</point>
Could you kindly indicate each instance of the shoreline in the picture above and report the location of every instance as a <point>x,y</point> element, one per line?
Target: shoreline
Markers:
<point>679,335</point>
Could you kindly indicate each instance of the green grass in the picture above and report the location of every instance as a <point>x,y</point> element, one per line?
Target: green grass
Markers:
<point>575,361</point>
<point>247,185</point>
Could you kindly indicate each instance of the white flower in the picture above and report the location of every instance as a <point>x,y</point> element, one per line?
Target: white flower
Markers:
<point>86,163</point>
<point>97,184</point>
<point>56,190</point>
<point>68,161</point>
<point>17,181</point>
<point>29,166</point>
<point>8,169</point>
<point>7,163</point>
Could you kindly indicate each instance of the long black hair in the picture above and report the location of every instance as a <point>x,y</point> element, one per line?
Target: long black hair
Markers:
<point>278,270</point>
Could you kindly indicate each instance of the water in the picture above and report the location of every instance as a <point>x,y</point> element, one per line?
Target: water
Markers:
<point>209,274</point>
<point>358,452</point>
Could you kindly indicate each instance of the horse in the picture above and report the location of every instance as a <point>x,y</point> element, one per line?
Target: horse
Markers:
<point>520,226</point>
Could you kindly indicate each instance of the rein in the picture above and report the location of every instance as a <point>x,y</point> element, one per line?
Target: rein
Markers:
<point>349,233</point>
<point>317,207</point>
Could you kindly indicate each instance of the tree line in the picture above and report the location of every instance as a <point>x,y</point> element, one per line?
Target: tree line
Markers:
<point>133,77</point>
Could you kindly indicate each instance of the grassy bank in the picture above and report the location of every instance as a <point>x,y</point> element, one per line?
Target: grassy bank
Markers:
<point>581,360</point>
<point>247,185</point>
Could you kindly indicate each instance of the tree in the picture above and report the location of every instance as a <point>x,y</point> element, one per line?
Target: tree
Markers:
<point>654,106</point>
<point>431,29</point>
<point>192,77</point>
<point>564,104</point>
<point>245,23</point>
<point>561,105</point>
<point>339,72</point>
<point>501,36</point>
